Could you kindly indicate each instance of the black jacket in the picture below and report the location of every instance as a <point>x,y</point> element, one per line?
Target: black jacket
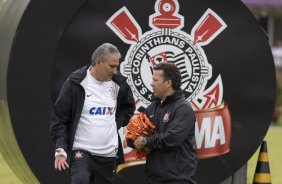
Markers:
<point>173,157</point>
<point>68,107</point>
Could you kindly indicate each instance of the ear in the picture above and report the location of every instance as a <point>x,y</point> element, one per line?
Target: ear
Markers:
<point>98,61</point>
<point>169,83</point>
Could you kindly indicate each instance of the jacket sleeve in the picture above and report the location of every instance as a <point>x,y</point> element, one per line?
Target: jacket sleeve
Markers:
<point>126,108</point>
<point>61,117</point>
<point>179,128</point>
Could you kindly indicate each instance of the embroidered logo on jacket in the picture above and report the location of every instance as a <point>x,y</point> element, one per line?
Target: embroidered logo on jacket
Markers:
<point>166,117</point>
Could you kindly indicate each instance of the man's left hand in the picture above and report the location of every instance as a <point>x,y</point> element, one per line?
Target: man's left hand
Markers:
<point>138,143</point>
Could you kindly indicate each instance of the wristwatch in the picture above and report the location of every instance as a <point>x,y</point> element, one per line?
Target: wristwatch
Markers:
<point>144,141</point>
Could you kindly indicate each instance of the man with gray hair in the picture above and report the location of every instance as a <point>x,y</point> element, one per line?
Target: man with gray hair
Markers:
<point>94,102</point>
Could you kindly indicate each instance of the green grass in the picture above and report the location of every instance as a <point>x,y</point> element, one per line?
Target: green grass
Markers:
<point>273,139</point>
<point>6,175</point>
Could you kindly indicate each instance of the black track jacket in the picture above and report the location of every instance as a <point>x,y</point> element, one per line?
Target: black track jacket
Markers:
<point>68,107</point>
<point>173,158</point>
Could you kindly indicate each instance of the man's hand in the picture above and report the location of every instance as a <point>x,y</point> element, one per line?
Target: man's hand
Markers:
<point>138,143</point>
<point>148,150</point>
<point>61,159</point>
<point>61,163</point>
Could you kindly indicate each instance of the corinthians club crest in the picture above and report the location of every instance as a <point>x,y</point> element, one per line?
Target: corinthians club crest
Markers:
<point>167,42</point>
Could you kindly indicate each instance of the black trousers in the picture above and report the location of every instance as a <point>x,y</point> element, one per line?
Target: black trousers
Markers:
<point>191,180</point>
<point>89,169</point>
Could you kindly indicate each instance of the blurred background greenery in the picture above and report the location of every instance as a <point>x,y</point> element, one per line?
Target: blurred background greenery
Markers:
<point>6,175</point>
<point>273,140</point>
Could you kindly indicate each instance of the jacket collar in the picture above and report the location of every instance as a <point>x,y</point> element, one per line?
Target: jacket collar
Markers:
<point>79,75</point>
<point>178,94</point>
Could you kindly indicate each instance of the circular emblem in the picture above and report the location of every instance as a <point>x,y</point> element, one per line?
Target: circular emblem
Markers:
<point>166,46</point>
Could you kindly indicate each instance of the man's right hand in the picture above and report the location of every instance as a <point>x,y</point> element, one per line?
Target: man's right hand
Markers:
<point>61,159</point>
<point>61,163</point>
